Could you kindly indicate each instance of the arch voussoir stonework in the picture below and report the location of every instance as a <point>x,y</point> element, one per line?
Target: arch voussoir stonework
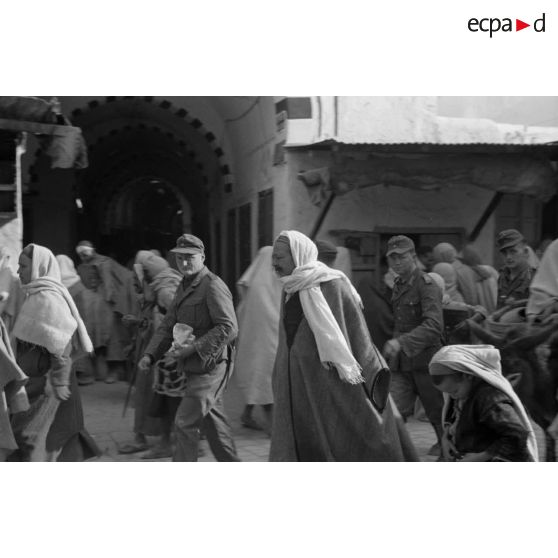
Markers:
<point>180,113</point>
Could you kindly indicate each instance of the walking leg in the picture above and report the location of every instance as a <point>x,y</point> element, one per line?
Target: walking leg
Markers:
<point>268,412</point>
<point>100,364</point>
<point>219,435</point>
<point>247,420</point>
<point>85,372</point>
<point>187,423</point>
<point>403,392</point>
<point>433,403</point>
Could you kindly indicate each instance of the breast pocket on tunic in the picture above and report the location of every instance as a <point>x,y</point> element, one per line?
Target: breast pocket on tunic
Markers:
<point>412,308</point>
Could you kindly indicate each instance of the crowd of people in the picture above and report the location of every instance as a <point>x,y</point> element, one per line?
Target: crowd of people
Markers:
<point>334,371</point>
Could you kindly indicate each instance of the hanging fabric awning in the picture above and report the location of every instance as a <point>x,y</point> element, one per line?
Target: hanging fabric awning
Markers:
<point>504,168</point>
<point>63,143</point>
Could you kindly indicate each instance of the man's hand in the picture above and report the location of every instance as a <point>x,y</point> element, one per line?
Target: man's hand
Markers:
<point>61,393</point>
<point>182,352</point>
<point>145,363</point>
<point>391,349</point>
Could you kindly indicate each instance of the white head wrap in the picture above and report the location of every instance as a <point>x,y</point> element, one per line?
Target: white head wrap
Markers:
<point>482,361</point>
<point>49,317</point>
<point>305,279</point>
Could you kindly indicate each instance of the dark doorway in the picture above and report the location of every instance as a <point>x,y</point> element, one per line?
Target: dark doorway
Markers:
<point>550,219</point>
<point>144,214</point>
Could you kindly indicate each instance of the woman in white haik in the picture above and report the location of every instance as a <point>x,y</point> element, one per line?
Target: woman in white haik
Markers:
<point>330,384</point>
<point>258,332</point>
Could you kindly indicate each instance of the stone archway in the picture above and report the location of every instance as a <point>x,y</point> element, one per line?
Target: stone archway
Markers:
<point>217,152</point>
<point>129,223</point>
<point>129,166</point>
<point>152,168</point>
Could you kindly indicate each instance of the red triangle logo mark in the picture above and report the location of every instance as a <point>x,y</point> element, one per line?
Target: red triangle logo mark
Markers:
<point>519,25</point>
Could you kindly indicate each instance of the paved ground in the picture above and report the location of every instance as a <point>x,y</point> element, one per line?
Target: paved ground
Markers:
<point>103,406</point>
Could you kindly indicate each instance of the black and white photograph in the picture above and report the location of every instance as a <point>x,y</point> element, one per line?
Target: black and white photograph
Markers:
<point>279,301</point>
<point>279,278</point>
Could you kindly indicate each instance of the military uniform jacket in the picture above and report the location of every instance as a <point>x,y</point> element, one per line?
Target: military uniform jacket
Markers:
<point>205,304</point>
<point>516,288</point>
<point>419,323</point>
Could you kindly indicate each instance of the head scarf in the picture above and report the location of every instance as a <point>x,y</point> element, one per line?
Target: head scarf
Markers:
<point>481,361</point>
<point>85,247</point>
<point>68,271</point>
<point>167,279</point>
<point>448,274</point>
<point>260,277</point>
<point>439,280</point>
<point>444,252</point>
<point>151,263</point>
<point>49,317</point>
<point>160,273</point>
<point>305,279</point>
<point>544,287</point>
<point>470,257</point>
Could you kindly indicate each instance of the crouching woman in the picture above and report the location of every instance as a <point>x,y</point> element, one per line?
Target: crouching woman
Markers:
<point>483,418</point>
<point>49,332</point>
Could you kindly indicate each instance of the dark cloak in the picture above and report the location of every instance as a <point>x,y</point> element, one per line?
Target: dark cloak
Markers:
<point>317,417</point>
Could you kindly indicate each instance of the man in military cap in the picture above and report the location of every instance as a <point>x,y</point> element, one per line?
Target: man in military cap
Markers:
<point>203,302</point>
<point>418,327</point>
<point>516,275</point>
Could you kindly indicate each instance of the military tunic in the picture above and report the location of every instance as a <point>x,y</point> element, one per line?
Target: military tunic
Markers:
<point>417,309</point>
<point>419,325</point>
<point>516,287</point>
<point>205,303</point>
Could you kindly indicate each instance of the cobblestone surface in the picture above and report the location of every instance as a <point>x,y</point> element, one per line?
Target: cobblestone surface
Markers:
<point>103,406</point>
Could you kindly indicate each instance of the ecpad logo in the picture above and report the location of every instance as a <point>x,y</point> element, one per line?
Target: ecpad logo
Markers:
<point>494,24</point>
